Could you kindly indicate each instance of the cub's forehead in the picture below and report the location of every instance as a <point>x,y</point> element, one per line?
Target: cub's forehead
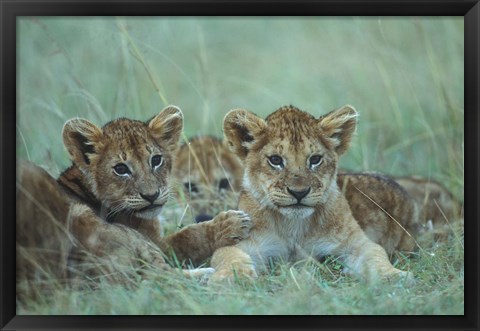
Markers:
<point>128,133</point>
<point>296,147</point>
<point>291,127</point>
<point>292,122</point>
<point>122,129</point>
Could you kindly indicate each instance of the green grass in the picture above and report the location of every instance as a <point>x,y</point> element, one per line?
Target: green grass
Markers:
<point>302,289</point>
<point>403,75</point>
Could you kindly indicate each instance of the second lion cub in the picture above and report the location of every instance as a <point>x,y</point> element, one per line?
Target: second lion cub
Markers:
<point>292,196</point>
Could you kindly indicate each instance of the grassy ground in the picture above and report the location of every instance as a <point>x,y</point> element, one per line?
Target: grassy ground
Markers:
<point>404,76</point>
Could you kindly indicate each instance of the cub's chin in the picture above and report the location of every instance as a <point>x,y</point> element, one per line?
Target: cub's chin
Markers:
<point>296,212</point>
<point>149,212</point>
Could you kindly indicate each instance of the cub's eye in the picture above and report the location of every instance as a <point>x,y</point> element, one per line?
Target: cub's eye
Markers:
<point>121,169</point>
<point>315,160</point>
<point>224,184</point>
<point>191,187</point>
<point>157,161</point>
<point>276,161</point>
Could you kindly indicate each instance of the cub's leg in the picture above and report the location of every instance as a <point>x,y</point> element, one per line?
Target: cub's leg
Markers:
<point>197,242</point>
<point>360,255</point>
<point>117,250</point>
<point>115,244</point>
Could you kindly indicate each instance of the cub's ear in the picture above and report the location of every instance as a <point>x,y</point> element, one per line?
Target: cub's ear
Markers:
<point>338,127</point>
<point>167,127</point>
<point>242,129</point>
<point>81,139</point>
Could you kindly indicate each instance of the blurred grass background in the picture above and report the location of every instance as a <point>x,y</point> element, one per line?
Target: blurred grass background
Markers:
<point>404,75</point>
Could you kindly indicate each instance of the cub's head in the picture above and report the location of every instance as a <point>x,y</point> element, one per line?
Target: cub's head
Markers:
<point>291,157</point>
<point>127,163</point>
<point>209,174</point>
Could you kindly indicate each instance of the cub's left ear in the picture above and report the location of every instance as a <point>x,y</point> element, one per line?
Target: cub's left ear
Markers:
<point>82,139</point>
<point>338,127</point>
<point>242,129</point>
<point>167,127</point>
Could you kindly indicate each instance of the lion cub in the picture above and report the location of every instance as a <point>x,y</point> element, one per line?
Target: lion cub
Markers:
<point>290,192</point>
<point>58,239</point>
<point>118,182</point>
<point>387,214</point>
<point>209,174</point>
<point>122,172</point>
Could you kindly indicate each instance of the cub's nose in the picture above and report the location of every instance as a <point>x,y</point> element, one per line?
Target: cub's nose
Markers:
<point>150,197</point>
<point>299,195</point>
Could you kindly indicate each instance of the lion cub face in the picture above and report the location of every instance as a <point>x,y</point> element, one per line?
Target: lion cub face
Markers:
<point>290,157</point>
<point>208,173</point>
<point>127,162</point>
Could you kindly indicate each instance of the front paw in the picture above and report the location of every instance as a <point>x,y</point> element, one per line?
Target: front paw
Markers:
<point>128,247</point>
<point>148,254</point>
<point>200,274</point>
<point>400,277</point>
<point>229,276</point>
<point>230,227</point>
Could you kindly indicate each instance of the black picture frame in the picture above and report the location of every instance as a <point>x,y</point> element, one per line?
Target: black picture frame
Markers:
<point>10,10</point>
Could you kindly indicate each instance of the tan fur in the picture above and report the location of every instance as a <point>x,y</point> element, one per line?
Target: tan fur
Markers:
<point>92,210</point>
<point>391,215</point>
<point>209,174</point>
<point>387,214</point>
<point>288,227</point>
<point>441,213</point>
<point>53,232</point>
<point>437,203</point>
<point>41,249</point>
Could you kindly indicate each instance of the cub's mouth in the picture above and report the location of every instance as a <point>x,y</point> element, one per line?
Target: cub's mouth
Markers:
<point>298,205</point>
<point>295,206</point>
<point>149,207</point>
<point>296,211</point>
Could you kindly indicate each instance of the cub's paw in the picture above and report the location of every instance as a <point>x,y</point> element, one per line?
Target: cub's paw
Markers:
<point>149,255</point>
<point>230,227</point>
<point>400,277</point>
<point>200,274</point>
<point>229,276</point>
<point>128,247</point>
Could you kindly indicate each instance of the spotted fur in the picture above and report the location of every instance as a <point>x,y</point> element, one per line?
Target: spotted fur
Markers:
<point>387,214</point>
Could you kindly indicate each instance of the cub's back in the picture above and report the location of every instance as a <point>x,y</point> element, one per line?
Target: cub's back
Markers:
<point>41,235</point>
<point>436,201</point>
<point>383,209</point>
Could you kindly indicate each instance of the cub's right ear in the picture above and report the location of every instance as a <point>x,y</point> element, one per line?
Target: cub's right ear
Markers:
<point>242,129</point>
<point>338,127</point>
<point>167,127</point>
<point>81,139</point>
